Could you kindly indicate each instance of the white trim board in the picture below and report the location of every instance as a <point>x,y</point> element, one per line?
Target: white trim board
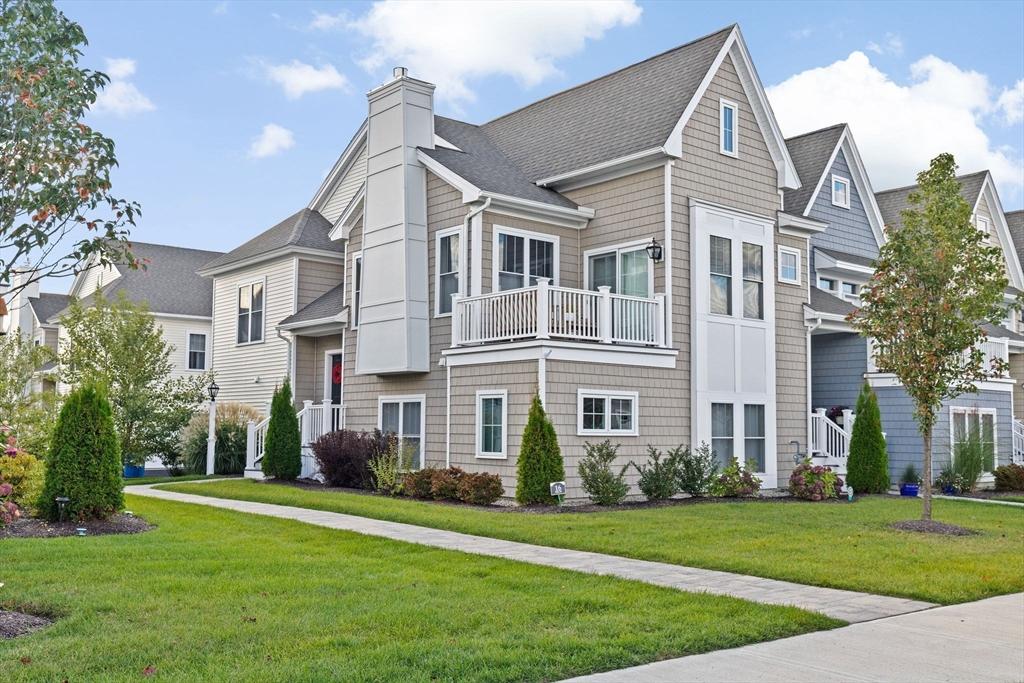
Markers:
<point>478,451</point>
<point>610,354</point>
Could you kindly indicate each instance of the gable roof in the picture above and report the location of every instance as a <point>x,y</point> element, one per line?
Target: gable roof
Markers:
<point>306,229</point>
<point>47,305</point>
<point>824,302</point>
<point>812,153</point>
<point>1015,221</point>
<point>892,202</point>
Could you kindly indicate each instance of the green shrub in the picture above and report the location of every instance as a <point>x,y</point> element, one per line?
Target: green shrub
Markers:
<point>696,469</point>
<point>867,466</point>
<point>387,468</point>
<point>540,459</point>
<point>282,454</point>
<point>604,486</point>
<point>971,457</point>
<point>814,482</point>
<point>230,433</point>
<point>735,482</point>
<point>444,484</point>
<point>26,474</point>
<point>480,488</point>
<point>910,475</point>
<point>418,484</point>
<point>659,479</point>
<point>1009,477</point>
<point>85,459</point>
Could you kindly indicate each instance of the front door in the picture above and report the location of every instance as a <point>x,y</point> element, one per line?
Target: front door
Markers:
<point>336,375</point>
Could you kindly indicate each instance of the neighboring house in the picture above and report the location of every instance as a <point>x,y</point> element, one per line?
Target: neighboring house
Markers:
<point>29,315</point>
<point>455,270</point>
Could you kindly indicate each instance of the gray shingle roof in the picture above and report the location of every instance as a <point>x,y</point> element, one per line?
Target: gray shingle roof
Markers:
<point>823,302</point>
<point>483,164</point>
<point>892,202</point>
<point>810,152</point>
<point>1015,220</point>
<point>305,228</point>
<point>848,258</point>
<point>326,305</point>
<point>49,305</point>
<point>626,111</point>
<point>997,332</point>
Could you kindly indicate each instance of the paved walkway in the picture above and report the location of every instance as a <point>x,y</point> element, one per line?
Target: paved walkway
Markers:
<point>977,641</point>
<point>849,606</point>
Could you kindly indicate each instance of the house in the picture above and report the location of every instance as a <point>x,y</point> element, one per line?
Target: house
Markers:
<point>29,313</point>
<point>446,272</point>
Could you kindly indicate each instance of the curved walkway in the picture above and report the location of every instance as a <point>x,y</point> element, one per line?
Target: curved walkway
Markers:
<point>846,605</point>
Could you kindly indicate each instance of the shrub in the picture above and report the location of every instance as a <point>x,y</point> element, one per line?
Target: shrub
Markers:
<point>417,484</point>
<point>282,453</point>
<point>444,484</point>
<point>735,481</point>
<point>480,488</point>
<point>910,476</point>
<point>343,456</point>
<point>948,479</point>
<point>540,459</point>
<point>1009,477</point>
<point>26,475</point>
<point>85,459</point>
<point>971,457</point>
<point>9,510</point>
<point>599,481</point>
<point>230,433</point>
<point>867,466</point>
<point>696,469</point>
<point>814,482</point>
<point>659,479</point>
<point>387,467</point>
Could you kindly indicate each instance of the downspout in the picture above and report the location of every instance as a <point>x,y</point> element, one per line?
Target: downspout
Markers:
<point>291,361</point>
<point>447,412</point>
<point>475,247</point>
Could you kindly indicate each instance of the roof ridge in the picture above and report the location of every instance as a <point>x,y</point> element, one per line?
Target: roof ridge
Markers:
<point>907,187</point>
<point>819,130</point>
<point>173,246</point>
<point>300,224</point>
<point>730,27</point>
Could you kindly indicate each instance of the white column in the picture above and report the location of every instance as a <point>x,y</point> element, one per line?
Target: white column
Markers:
<point>543,308</point>
<point>250,445</point>
<point>660,321</point>
<point>456,320</point>
<point>820,429</point>
<point>604,315</point>
<point>211,438</point>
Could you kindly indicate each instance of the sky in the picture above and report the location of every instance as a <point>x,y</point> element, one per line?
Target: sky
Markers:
<point>227,115</point>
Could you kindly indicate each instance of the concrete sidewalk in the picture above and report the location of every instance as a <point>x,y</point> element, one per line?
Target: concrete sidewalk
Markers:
<point>849,606</point>
<point>976,641</point>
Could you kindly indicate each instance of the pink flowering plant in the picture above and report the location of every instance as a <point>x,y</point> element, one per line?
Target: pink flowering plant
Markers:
<point>9,511</point>
<point>814,482</point>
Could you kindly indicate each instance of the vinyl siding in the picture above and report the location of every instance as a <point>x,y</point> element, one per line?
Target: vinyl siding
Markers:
<point>95,278</point>
<point>309,365</point>
<point>346,188</point>
<point>849,230</point>
<point>175,331</point>
<point>838,364</point>
<point>316,278</point>
<point>982,210</point>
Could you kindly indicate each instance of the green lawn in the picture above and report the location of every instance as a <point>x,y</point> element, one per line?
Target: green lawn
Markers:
<point>137,481</point>
<point>838,545</point>
<point>224,596</point>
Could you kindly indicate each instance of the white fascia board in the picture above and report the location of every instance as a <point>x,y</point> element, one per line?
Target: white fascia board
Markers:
<point>995,207</point>
<point>441,142</point>
<point>320,254</point>
<point>319,326</point>
<point>825,172</point>
<point>867,193</point>
<point>345,221</point>
<point>606,170</point>
<point>487,354</point>
<point>799,226</point>
<point>470,192</point>
<point>824,262</point>
<point>340,167</point>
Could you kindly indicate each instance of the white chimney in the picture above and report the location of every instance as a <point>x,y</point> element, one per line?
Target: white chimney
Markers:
<point>394,315</point>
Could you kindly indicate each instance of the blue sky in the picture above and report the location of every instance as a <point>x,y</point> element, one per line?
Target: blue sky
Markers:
<point>197,83</point>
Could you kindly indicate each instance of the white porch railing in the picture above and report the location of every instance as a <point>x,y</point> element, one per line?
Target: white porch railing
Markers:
<point>830,440</point>
<point>315,420</point>
<point>1018,442</point>
<point>548,312</point>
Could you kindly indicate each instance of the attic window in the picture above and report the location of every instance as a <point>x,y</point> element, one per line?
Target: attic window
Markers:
<point>727,118</point>
<point>840,192</point>
<point>984,228</point>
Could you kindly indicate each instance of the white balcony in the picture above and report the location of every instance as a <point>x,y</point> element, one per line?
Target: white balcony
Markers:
<point>548,312</point>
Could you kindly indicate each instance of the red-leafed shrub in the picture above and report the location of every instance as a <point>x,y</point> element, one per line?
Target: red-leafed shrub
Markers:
<point>480,488</point>
<point>344,456</point>
<point>418,484</point>
<point>444,484</point>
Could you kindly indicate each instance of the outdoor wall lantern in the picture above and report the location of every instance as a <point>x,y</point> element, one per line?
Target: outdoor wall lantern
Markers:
<point>654,250</point>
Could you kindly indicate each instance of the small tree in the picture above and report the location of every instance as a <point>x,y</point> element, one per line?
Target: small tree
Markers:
<point>540,459</point>
<point>936,281</point>
<point>282,453</point>
<point>604,486</point>
<point>85,459</point>
<point>867,466</point>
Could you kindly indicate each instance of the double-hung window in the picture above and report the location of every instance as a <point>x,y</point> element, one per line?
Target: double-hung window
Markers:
<point>357,285</point>
<point>626,270</point>
<point>607,412</point>
<point>977,424</point>
<point>721,275</point>
<point>250,313</point>
<point>789,265</point>
<point>827,284</point>
<point>521,258</point>
<point>491,423</point>
<point>196,351</point>
<point>727,119</point>
<point>753,281</point>
<point>751,436</point>
<point>841,192</point>
<point>403,417</point>
<point>449,271</point>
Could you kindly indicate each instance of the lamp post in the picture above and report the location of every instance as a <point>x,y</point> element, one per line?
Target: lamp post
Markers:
<point>211,438</point>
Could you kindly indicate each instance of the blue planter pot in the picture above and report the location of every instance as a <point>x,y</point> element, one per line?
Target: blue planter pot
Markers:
<point>909,490</point>
<point>949,490</point>
<point>134,471</point>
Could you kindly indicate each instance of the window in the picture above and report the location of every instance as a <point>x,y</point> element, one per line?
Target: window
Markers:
<point>727,127</point>
<point>449,270</point>
<point>850,290</point>
<point>626,270</point>
<point>985,227</point>
<point>403,417</point>
<point>827,284</point>
<point>753,437</point>
<point>789,266</point>
<point>250,313</point>
<point>721,275</point>
<point>491,423</point>
<point>975,421</point>
<point>522,257</point>
<point>840,192</point>
<point>753,283</point>
<point>196,351</point>
<point>721,433</point>
<point>607,412</point>
<point>357,286</point>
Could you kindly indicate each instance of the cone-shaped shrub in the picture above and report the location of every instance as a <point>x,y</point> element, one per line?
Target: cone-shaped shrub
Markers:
<point>282,451</point>
<point>85,459</point>
<point>867,467</point>
<point>540,459</point>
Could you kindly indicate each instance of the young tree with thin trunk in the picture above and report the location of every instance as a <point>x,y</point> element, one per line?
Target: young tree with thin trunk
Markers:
<point>936,281</point>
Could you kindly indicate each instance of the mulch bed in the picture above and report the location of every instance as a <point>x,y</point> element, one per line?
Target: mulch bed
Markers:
<point>14,624</point>
<point>30,527</point>
<point>921,526</point>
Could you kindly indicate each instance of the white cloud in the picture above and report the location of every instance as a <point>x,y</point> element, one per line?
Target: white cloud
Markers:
<point>298,78</point>
<point>892,45</point>
<point>273,139</point>
<point>325,22</point>
<point>452,44</point>
<point>221,8</point>
<point>900,128</point>
<point>1011,103</point>
<point>802,33</point>
<point>120,96</point>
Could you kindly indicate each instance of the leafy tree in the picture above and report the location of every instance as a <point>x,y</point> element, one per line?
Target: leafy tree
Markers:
<point>85,459</point>
<point>282,452</point>
<point>56,206</point>
<point>867,466</point>
<point>118,345</point>
<point>28,415</point>
<point>540,459</point>
<point>936,281</point>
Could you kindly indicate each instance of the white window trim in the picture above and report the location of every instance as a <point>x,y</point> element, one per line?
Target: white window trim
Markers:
<point>480,396</point>
<point>607,395</point>
<point>964,410</point>
<point>799,265</point>
<point>528,235</point>
<point>830,279</point>
<point>206,348</point>
<point>354,318</point>
<point>327,373</point>
<point>438,236</point>
<point>618,249</point>
<point>722,105</point>
<point>263,332</point>
<point>844,181</point>
<point>407,398</point>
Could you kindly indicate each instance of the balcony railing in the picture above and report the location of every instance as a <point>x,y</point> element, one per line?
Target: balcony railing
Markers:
<point>548,312</point>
